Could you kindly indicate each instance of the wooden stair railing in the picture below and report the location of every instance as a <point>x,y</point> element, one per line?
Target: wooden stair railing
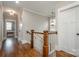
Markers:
<point>45,38</point>
<point>32,38</point>
<point>45,45</point>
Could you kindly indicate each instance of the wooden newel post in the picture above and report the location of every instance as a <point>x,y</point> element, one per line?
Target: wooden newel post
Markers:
<point>45,45</point>
<point>32,38</point>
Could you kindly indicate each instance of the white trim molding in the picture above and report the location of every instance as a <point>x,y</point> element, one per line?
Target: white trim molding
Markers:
<point>69,6</point>
<point>35,12</point>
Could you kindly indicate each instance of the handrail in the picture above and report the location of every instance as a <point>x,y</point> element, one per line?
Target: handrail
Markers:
<point>53,32</point>
<point>42,33</point>
<point>37,33</point>
<point>45,40</point>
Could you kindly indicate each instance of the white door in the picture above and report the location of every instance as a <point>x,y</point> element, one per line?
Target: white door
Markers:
<point>77,32</point>
<point>66,30</point>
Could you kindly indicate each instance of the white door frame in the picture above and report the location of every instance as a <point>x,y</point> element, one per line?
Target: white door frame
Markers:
<point>10,20</point>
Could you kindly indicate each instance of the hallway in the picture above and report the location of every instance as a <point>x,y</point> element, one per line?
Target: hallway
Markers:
<point>39,28</point>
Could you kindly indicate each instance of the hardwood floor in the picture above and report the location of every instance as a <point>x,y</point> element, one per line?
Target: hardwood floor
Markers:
<point>26,51</point>
<point>22,51</point>
<point>63,54</point>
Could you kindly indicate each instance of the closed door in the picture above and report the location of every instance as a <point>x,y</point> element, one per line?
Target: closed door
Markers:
<point>67,30</point>
<point>77,32</point>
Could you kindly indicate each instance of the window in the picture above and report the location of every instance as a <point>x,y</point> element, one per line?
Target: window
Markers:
<point>8,25</point>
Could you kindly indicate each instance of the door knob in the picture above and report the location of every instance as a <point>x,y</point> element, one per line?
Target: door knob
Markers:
<point>77,34</point>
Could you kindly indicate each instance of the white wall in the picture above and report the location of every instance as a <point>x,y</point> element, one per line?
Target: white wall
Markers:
<point>1,24</point>
<point>32,21</point>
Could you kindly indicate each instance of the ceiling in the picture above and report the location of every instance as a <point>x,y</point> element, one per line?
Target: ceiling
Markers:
<point>40,7</point>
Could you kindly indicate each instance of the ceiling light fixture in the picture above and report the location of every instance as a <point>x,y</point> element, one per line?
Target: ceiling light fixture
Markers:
<point>11,12</point>
<point>17,1</point>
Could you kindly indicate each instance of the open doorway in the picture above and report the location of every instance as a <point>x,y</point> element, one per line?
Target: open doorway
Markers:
<point>10,25</point>
<point>10,28</point>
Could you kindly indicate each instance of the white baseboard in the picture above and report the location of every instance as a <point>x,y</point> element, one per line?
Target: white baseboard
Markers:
<point>69,51</point>
<point>23,42</point>
<point>52,51</point>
